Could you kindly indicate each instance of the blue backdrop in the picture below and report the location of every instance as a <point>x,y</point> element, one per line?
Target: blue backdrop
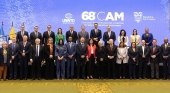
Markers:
<point>120,14</point>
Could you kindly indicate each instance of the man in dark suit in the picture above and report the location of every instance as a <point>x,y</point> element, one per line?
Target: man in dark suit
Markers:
<point>21,33</point>
<point>34,35</point>
<point>84,34</point>
<point>24,50</point>
<point>71,33</point>
<point>48,34</point>
<point>36,57</point>
<point>81,50</point>
<point>143,59</point>
<point>96,34</point>
<point>71,54</point>
<point>165,57</point>
<point>155,52</point>
<point>14,47</point>
<point>108,35</point>
<point>111,53</point>
<point>5,60</point>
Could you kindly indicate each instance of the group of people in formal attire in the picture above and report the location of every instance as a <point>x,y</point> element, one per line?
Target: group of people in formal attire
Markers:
<point>49,50</point>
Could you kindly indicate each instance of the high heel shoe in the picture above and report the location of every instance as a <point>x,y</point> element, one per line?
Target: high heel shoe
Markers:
<point>91,77</point>
<point>87,77</point>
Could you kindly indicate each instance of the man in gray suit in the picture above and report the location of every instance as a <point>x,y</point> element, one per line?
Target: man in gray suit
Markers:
<point>14,47</point>
<point>84,34</point>
<point>71,52</point>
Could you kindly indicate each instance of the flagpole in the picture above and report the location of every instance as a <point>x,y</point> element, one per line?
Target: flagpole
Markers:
<point>12,23</point>
<point>23,24</point>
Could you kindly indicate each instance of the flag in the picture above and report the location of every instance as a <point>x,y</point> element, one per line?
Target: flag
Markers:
<point>2,37</point>
<point>12,32</point>
<point>2,30</point>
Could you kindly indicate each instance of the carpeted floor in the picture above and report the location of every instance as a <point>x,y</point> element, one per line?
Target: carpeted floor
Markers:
<point>85,86</point>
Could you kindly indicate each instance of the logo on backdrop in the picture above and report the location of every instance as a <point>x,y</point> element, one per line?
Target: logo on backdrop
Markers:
<point>68,19</point>
<point>102,18</point>
<point>138,17</point>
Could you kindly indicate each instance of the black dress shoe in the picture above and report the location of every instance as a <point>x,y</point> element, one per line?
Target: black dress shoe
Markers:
<point>164,78</point>
<point>157,78</point>
<point>39,78</point>
<point>15,78</point>
<point>33,78</point>
<point>25,78</point>
<point>84,78</point>
<point>9,78</point>
<point>21,79</point>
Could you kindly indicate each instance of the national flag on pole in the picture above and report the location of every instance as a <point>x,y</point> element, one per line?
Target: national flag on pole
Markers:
<point>2,30</point>
<point>2,36</point>
<point>12,32</point>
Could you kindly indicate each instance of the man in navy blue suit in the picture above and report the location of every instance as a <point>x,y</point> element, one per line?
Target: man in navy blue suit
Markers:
<point>148,37</point>
<point>71,52</point>
<point>14,47</point>
<point>96,34</point>
<point>108,35</point>
<point>165,57</point>
<point>21,33</point>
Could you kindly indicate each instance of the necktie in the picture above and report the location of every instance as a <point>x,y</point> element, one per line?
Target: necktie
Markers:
<point>37,34</point>
<point>5,52</point>
<point>22,33</point>
<point>154,47</point>
<point>36,51</point>
<point>71,32</point>
<point>165,46</point>
<point>70,45</point>
<point>96,31</point>
<point>111,48</point>
<point>83,33</point>
<point>82,45</point>
<point>49,32</point>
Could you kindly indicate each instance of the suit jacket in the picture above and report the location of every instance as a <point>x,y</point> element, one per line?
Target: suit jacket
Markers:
<point>61,50</point>
<point>94,35</point>
<point>33,37</point>
<point>146,53</point>
<point>46,36</point>
<point>122,52</point>
<point>33,52</point>
<point>19,36</point>
<point>157,53</point>
<point>112,52</point>
<point>74,36</point>
<point>2,56</point>
<point>106,37</point>
<point>72,50</point>
<point>165,52</point>
<point>14,52</point>
<point>101,53</point>
<point>86,36</point>
<point>47,52</point>
<point>27,49</point>
<point>89,51</point>
<point>150,38</point>
<point>132,55</point>
<point>81,50</point>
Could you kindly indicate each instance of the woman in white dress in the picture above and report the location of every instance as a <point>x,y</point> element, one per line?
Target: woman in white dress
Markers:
<point>122,59</point>
<point>122,37</point>
<point>135,37</point>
